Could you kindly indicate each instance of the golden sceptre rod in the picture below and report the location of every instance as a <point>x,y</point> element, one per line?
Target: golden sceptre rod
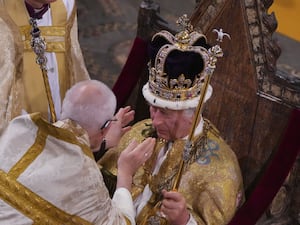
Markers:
<point>188,145</point>
<point>214,52</point>
<point>38,46</point>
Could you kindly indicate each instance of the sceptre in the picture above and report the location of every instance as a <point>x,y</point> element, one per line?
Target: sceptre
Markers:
<point>38,45</point>
<point>214,53</point>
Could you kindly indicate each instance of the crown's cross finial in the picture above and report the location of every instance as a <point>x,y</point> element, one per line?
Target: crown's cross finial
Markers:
<point>185,23</point>
<point>183,37</point>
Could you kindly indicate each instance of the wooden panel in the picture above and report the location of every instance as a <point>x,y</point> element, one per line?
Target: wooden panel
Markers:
<point>270,122</point>
<point>233,105</point>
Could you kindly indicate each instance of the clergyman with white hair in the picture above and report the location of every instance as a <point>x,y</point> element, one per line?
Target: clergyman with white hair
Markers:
<point>48,174</point>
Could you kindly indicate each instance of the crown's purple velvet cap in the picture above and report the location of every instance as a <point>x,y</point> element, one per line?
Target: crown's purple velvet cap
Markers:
<point>178,62</point>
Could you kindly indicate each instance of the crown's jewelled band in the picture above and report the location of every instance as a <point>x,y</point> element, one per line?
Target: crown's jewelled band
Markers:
<point>175,94</point>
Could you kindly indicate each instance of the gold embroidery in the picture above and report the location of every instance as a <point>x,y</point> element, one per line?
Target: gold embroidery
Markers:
<point>127,221</point>
<point>164,179</point>
<point>45,129</point>
<point>54,37</point>
<point>22,198</point>
<point>29,156</point>
<point>32,205</point>
<point>60,133</point>
<point>212,186</point>
<point>36,100</point>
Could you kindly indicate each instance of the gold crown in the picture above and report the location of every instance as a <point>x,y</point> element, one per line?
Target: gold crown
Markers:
<point>186,45</point>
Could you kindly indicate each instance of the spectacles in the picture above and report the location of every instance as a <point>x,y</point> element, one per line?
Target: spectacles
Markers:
<point>107,123</point>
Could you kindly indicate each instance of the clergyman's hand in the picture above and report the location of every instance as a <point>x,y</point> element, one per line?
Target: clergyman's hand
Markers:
<point>131,159</point>
<point>119,127</point>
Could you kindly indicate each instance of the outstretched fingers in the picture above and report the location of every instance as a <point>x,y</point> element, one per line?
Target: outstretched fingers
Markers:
<point>135,155</point>
<point>125,115</point>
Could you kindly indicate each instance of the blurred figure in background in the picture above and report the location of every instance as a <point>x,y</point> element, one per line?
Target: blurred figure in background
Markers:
<point>22,86</point>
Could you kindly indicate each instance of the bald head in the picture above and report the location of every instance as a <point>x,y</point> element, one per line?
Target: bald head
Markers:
<point>90,103</point>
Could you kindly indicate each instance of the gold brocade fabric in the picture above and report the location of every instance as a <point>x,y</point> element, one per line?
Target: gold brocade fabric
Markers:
<point>36,98</point>
<point>21,84</point>
<point>54,37</point>
<point>48,175</point>
<point>11,86</point>
<point>211,182</point>
<point>21,197</point>
<point>32,205</point>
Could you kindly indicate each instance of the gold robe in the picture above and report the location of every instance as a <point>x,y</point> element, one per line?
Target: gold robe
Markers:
<point>211,182</point>
<point>21,83</point>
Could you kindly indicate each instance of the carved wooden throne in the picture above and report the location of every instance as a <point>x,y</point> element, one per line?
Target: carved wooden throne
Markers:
<point>252,100</point>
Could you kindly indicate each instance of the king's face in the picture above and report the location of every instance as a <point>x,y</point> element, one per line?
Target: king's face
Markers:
<point>170,124</point>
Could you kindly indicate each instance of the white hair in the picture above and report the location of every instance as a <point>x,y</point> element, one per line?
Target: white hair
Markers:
<point>189,112</point>
<point>90,103</point>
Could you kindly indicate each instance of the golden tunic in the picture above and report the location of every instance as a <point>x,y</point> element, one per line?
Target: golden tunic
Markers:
<point>211,182</point>
<point>21,84</point>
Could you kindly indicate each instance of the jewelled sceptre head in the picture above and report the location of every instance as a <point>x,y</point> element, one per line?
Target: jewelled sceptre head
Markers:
<point>38,46</point>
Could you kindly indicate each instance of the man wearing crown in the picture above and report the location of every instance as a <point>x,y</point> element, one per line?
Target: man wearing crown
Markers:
<point>191,178</point>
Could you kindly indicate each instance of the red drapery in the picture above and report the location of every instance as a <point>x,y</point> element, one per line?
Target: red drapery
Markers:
<point>130,74</point>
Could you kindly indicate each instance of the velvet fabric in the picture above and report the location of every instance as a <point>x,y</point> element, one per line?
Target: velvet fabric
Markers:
<point>178,62</point>
<point>130,74</point>
<point>37,13</point>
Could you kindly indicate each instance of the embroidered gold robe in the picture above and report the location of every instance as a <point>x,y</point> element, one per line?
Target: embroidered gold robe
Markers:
<point>48,176</point>
<point>211,182</point>
<point>21,83</point>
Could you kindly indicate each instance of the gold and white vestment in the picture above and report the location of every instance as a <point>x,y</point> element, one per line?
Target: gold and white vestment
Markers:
<point>48,176</point>
<point>211,182</point>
